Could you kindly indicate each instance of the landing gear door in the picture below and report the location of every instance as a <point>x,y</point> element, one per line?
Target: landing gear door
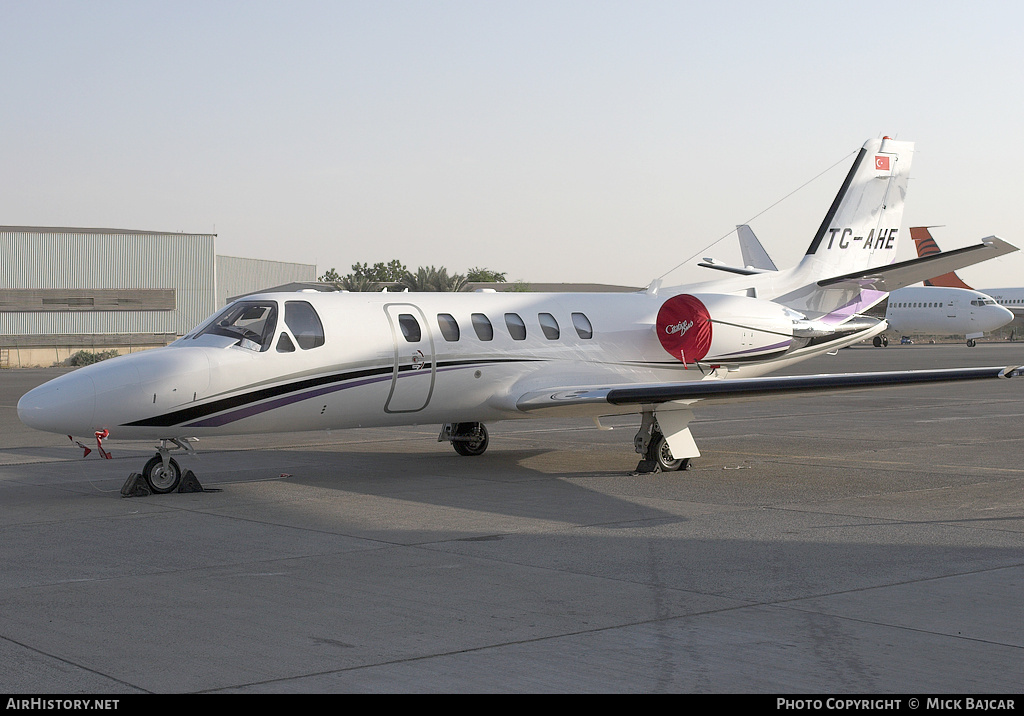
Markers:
<point>412,381</point>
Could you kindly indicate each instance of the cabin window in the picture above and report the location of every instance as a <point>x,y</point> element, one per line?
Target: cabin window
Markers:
<point>449,326</point>
<point>549,326</point>
<point>410,327</point>
<point>284,344</point>
<point>482,326</point>
<point>304,323</point>
<point>582,325</point>
<point>516,327</point>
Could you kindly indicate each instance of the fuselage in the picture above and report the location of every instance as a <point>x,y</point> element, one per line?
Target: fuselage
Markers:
<point>934,310</point>
<point>312,361</point>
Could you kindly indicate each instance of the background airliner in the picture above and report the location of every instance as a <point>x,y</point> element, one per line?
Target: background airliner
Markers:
<point>307,361</point>
<point>1010,298</point>
<point>914,310</point>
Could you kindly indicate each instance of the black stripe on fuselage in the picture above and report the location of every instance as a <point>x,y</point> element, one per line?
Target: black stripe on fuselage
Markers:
<point>198,412</point>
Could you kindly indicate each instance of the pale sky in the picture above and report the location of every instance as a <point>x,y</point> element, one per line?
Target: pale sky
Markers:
<point>558,140</point>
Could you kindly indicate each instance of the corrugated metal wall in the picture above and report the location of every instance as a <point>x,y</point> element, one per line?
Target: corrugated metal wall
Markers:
<point>237,276</point>
<point>32,257</point>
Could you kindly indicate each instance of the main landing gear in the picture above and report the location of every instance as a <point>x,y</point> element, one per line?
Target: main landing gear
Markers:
<point>880,342</point>
<point>657,455</point>
<point>471,439</point>
<point>468,439</point>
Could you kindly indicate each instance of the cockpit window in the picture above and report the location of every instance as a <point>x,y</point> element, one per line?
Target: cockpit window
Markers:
<point>304,323</point>
<point>251,322</point>
<point>284,344</point>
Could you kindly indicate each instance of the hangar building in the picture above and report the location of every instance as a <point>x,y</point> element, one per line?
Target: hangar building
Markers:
<point>69,289</point>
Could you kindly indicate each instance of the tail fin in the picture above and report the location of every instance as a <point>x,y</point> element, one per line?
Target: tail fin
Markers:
<point>862,226</point>
<point>859,233</point>
<point>926,246</point>
<point>754,255</point>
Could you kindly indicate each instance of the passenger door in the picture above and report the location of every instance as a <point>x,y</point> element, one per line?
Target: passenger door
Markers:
<point>412,381</point>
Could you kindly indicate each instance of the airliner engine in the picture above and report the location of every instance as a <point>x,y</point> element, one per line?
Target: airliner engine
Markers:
<point>722,327</point>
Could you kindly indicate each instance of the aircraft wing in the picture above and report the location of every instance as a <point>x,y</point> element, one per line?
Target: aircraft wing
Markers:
<point>594,399</point>
<point>906,273</point>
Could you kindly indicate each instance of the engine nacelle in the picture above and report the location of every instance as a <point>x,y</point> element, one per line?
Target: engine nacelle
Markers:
<point>718,327</point>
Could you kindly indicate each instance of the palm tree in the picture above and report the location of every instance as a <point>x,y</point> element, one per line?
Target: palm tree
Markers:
<point>429,278</point>
<point>358,283</point>
<point>455,282</point>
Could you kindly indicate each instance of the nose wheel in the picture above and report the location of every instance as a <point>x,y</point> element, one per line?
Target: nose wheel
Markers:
<point>162,475</point>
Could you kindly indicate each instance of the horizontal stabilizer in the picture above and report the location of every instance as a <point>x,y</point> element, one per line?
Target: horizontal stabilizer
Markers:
<point>906,273</point>
<point>712,264</point>
<point>741,389</point>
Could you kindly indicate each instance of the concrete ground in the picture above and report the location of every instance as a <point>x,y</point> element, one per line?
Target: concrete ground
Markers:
<point>868,543</point>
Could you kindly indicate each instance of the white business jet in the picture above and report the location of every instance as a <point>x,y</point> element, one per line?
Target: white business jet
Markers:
<point>914,310</point>
<point>308,361</point>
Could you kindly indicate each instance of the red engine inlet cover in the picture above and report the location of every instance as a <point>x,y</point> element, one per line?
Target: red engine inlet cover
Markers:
<point>684,328</point>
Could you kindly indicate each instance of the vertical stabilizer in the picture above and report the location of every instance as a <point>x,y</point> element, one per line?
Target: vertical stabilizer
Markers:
<point>861,228</point>
<point>860,231</point>
<point>926,246</point>
<point>754,255</point>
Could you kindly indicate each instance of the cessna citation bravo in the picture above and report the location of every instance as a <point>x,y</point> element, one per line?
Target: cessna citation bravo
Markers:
<point>310,361</point>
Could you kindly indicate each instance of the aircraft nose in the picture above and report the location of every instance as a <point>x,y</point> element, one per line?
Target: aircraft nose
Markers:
<point>62,405</point>
<point>1004,317</point>
<point>997,316</point>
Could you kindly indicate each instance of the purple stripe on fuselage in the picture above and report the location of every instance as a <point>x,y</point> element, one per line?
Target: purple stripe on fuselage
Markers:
<point>250,410</point>
<point>256,409</point>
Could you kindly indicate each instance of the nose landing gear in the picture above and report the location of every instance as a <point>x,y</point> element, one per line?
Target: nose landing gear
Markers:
<point>162,474</point>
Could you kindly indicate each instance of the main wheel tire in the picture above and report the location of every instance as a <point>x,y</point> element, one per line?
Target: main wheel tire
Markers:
<point>662,454</point>
<point>161,480</point>
<point>470,439</point>
<point>971,343</point>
